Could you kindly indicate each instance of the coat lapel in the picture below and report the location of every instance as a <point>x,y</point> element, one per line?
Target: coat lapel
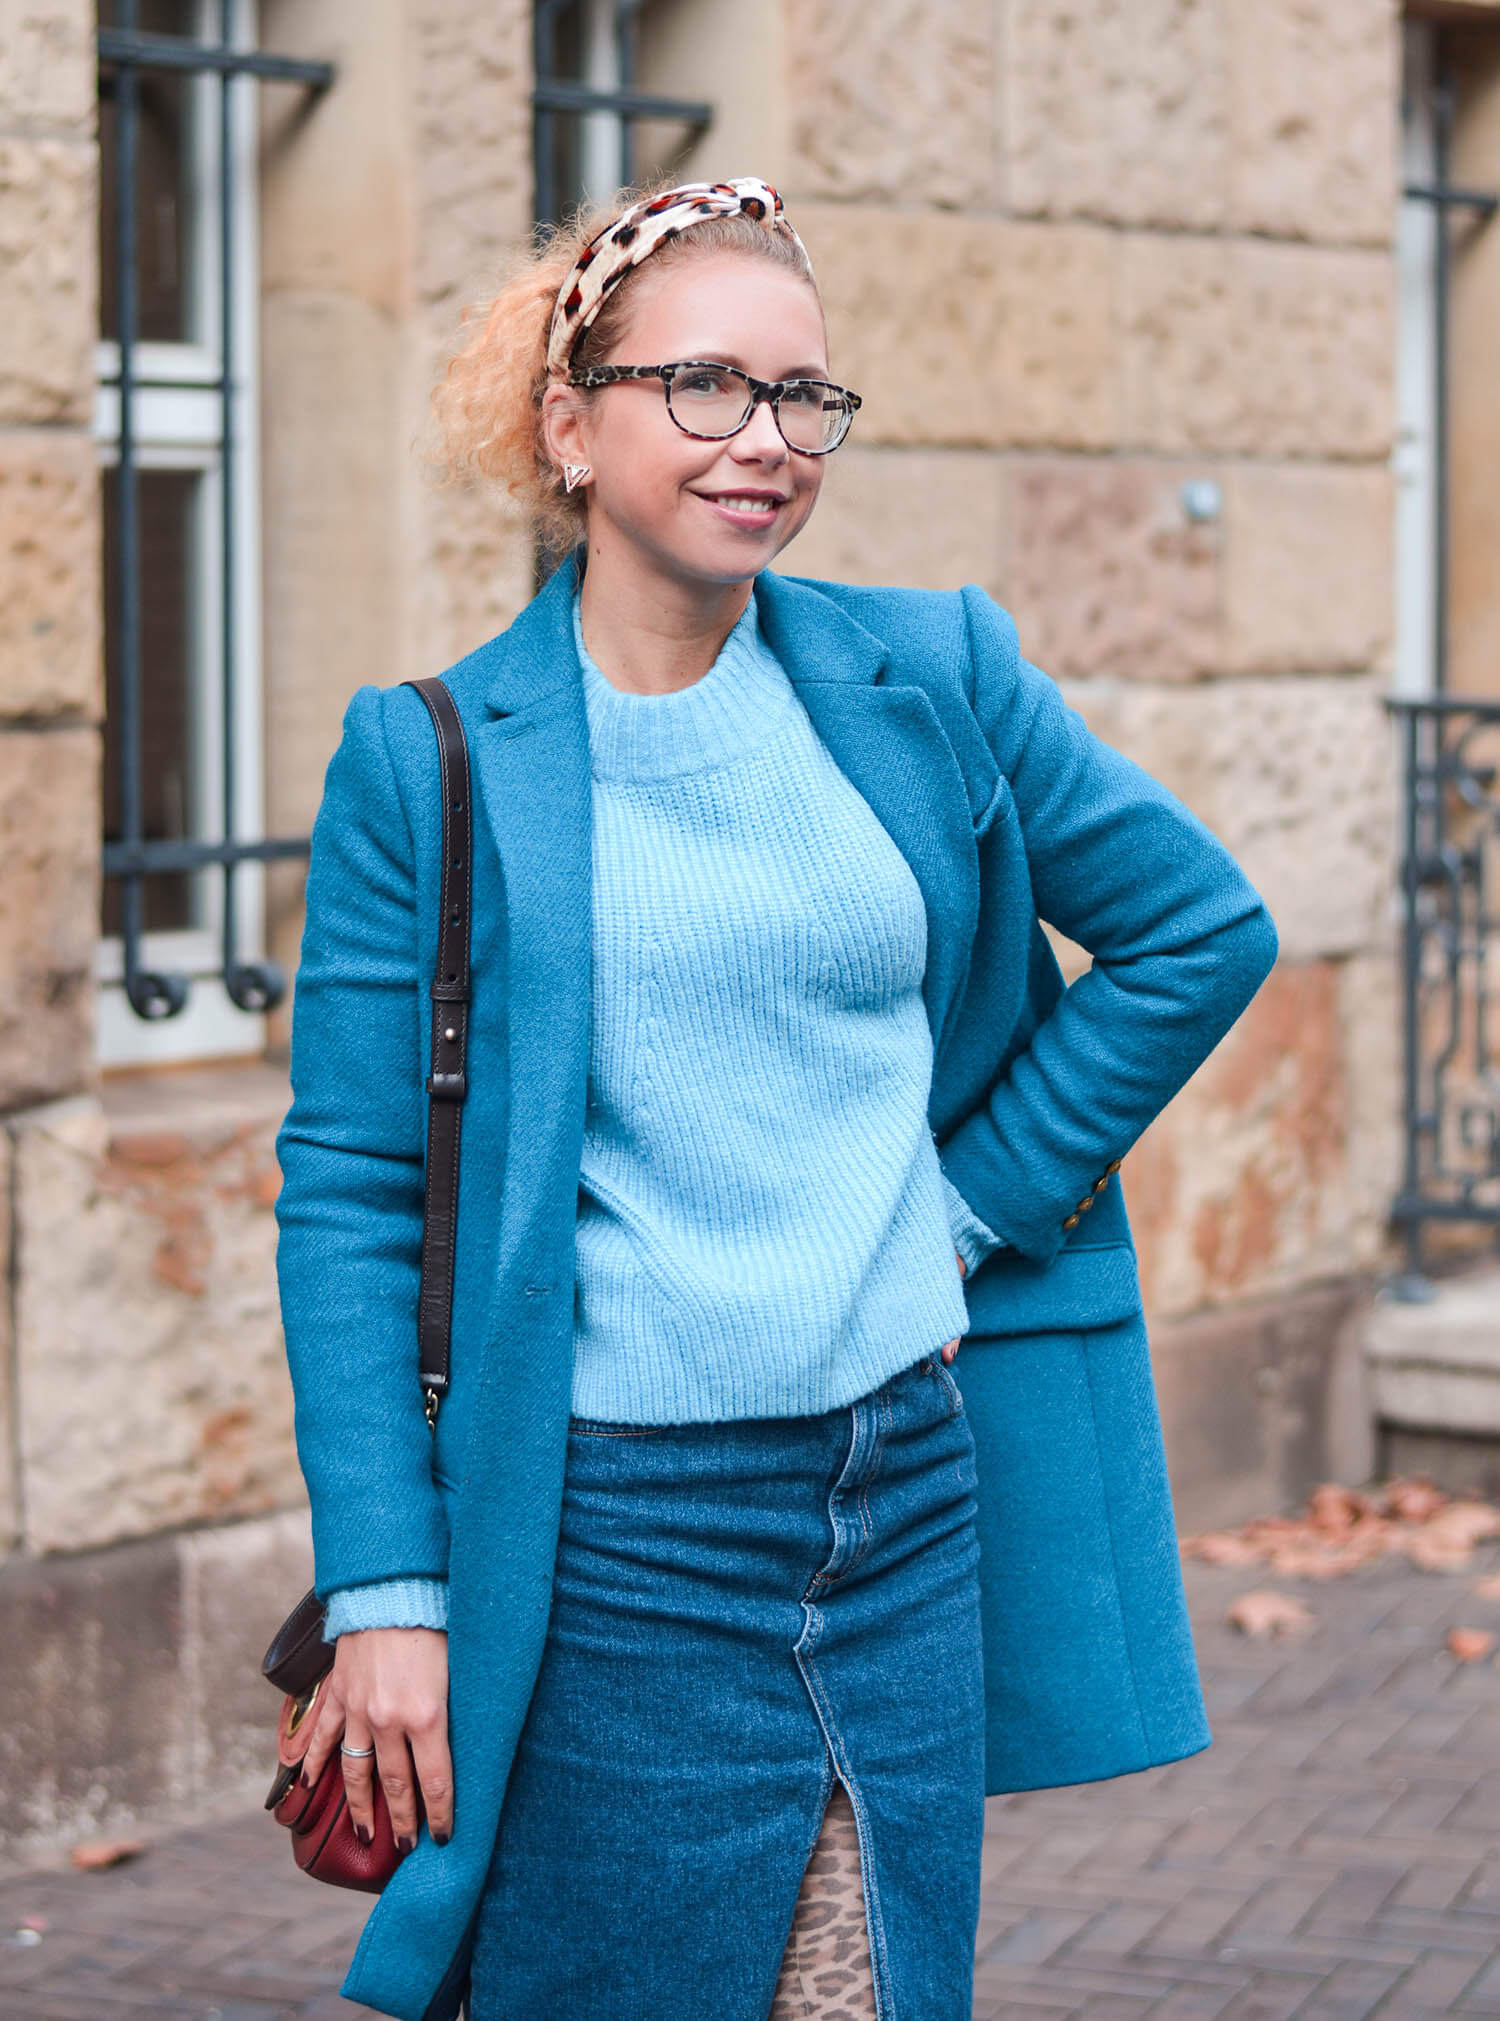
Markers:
<point>531,762</point>
<point>888,742</point>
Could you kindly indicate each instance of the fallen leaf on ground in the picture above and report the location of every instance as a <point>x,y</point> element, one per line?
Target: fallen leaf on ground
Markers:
<point>1337,1509</point>
<point>1436,1554</point>
<point>1466,1522</point>
<point>1469,1645</point>
<point>1342,1529</point>
<point>95,1854</point>
<point>1222,1547</point>
<point>1414,1498</point>
<point>1264,1614</point>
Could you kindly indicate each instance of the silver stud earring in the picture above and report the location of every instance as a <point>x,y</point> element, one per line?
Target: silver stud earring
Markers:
<point>574,474</point>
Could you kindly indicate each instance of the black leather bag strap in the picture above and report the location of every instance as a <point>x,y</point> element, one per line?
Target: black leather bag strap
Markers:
<point>446,1083</point>
<point>298,1656</point>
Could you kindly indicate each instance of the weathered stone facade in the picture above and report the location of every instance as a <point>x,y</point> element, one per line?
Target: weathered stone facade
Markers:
<point>1167,260</point>
<point>1116,282</point>
<point>149,1494</point>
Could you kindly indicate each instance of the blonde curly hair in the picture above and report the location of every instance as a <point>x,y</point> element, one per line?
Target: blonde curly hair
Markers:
<point>488,405</point>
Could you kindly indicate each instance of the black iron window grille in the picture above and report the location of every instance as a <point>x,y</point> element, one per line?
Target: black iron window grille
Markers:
<point>177,284</point>
<point>1450,869</point>
<point>585,105</point>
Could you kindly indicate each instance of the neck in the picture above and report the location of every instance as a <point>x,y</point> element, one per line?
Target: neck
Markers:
<point>653,634</point>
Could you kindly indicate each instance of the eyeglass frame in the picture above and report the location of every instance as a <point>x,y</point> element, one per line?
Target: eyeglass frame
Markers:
<point>589,377</point>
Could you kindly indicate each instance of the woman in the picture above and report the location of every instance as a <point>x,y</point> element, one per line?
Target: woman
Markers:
<point>767,1051</point>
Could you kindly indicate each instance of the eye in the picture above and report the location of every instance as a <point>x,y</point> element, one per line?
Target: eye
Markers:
<point>806,395</point>
<point>707,382</point>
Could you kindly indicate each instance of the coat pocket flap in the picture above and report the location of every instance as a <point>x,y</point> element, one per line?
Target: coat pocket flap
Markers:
<point>1085,1285</point>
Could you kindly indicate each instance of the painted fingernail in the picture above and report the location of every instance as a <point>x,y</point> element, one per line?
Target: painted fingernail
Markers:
<point>406,1843</point>
<point>365,1836</point>
<point>303,1780</point>
<point>441,1838</point>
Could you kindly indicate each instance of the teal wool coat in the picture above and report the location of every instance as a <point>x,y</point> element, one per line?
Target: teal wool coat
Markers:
<point>1008,812</point>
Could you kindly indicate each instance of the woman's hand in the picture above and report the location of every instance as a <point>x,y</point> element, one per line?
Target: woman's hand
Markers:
<point>389,1689</point>
<point>950,1352</point>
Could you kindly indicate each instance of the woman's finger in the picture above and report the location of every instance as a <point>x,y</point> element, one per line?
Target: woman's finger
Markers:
<point>398,1780</point>
<point>434,1766</point>
<point>950,1352</point>
<point>359,1781</point>
<point>327,1716</point>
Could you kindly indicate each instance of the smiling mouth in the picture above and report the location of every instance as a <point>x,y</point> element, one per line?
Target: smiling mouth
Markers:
<point>744,501</point>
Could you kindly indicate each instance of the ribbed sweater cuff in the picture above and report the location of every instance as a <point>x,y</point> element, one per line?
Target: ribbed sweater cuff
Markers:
<point>388,1603</point>
<point>971,1238</point>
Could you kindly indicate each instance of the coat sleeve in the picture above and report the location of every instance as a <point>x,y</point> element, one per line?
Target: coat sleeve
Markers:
<point>1180,942</point>
<point>350,1210</point>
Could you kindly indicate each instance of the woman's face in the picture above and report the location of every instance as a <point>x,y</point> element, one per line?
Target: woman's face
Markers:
<point>704,512</point>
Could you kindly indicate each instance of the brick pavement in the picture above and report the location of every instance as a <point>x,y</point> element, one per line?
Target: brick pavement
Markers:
<point>1334,1855</point>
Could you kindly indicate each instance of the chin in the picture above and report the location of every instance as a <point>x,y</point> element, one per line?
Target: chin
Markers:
<point>730,560</point>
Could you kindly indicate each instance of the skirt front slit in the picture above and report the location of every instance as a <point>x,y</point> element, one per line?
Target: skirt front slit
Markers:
<point>744,1614</point>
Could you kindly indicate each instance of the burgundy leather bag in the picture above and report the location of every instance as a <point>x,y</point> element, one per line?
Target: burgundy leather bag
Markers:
<point>299,1661</point>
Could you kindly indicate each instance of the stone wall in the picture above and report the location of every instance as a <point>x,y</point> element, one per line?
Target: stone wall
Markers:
<point>151,1523</point>
<point>1077,258</point>
<point>389,207</point>
<point>1084,257</point>
<point>51,687</point>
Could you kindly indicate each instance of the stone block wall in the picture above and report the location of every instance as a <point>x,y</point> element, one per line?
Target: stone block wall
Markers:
<point>152,1529</point>
<point>1076,258</point>
<point>51,676</point>
<point>387,208</point>
<point>51,686</point>
<point>1085,257</point>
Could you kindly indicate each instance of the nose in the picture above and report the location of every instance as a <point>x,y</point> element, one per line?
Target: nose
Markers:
<point>760,438</point>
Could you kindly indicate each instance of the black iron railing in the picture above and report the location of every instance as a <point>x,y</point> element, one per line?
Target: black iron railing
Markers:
<point>1450,886</point>
<point>131,857</point>
<point>563,96</point>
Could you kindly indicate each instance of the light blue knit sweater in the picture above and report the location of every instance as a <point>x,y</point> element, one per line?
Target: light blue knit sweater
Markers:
<point>764,1229</point>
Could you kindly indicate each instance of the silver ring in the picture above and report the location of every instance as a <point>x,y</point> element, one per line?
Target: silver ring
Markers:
<point>356,1753</point>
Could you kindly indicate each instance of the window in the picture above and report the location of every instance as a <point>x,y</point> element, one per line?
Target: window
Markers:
<point>586,107</point>
<point>176,425</point>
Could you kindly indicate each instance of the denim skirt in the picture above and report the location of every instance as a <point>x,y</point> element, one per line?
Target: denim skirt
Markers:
<point>742,1612</point>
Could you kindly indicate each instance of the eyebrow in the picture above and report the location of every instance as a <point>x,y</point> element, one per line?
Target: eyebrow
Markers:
<point>714,356</point>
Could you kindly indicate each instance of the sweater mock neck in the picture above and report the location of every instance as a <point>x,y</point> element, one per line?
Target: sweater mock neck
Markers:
<point>743,699</point>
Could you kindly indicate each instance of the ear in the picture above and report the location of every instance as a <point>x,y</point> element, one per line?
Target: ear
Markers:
<point>565,425</point>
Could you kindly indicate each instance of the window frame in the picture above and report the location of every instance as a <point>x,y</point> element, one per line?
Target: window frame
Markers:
<point>605,98</point>
<point>202,991</point>
<point>178,425</point>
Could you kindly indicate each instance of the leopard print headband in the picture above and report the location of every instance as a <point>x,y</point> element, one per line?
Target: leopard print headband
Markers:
<point>635,234</point>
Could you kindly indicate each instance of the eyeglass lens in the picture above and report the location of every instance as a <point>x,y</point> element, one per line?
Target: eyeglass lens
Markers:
<point>714,401</point>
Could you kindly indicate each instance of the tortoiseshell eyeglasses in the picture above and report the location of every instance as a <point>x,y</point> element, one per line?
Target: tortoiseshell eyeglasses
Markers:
<point>712,402</point>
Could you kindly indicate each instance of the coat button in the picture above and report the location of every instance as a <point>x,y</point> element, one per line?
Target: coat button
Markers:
<point>1113,1165</point>
<point>1100,1184</point>
<point>1071,1222</point>
<point>1084,1205</point>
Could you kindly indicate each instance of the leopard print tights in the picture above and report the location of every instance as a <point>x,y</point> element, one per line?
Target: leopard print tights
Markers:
<point>825,1972</point>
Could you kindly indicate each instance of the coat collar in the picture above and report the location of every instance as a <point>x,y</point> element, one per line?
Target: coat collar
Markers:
<point>809,634</point>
